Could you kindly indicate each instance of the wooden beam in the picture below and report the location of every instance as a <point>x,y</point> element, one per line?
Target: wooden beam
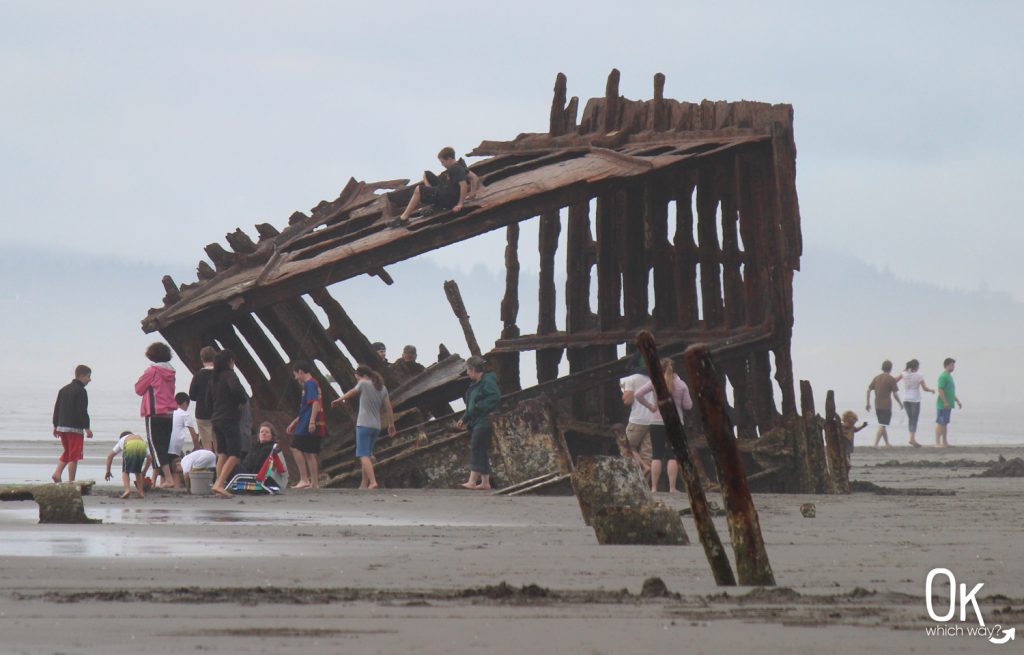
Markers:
<point>732,259</point>
<point>451,290</point>
<point>344,329</point>
<point>686,253</point>
<point>713,550</point>
<point>709,252</point>
<point>635,257</point>
<point>752,565</point>
<point>550,228</point>
<point>666,311</point>
<point>592,338</point>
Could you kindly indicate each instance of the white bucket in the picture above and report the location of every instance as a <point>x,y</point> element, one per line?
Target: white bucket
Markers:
<point>200,481</point>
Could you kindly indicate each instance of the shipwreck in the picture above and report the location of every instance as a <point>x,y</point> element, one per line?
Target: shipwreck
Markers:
<point>680,218</point>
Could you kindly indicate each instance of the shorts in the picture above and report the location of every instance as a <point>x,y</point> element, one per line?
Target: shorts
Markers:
<point>445,196</point>
<point>307,443</point>
<point>366,439</point>
<point>639,439</point>
<point>884,416</point>
<point>944,416</point>
<point>206,437</point>
<point>72,442</point>
<point>160,427</point>
<point>659,443</point>
<point>134,456</point>
<point>229,438</point>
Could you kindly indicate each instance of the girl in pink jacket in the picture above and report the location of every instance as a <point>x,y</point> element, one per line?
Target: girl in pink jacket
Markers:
<point>156,386</point>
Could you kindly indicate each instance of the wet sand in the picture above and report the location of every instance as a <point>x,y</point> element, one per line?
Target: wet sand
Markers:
<point>408,571</point>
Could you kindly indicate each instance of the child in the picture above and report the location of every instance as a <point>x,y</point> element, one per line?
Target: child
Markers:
<point>134,453</point>
<point>308,428</point>
<point>850,428</point>
<point>71,422</point>
<point>196,460</point>
<point>181,421</point>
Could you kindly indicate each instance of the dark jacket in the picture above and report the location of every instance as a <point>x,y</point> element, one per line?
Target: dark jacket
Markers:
<point>226,394</point>
<point>253,461</point>
<point>482,398</point>
<point>197,393</point>
<point>72,407</point>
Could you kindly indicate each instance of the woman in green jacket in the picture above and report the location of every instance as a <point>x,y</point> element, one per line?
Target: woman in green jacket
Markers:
<point>481,399</point>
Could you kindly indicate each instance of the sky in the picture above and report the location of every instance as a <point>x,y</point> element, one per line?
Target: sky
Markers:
<point>138,132</point>
<point>144,130</point>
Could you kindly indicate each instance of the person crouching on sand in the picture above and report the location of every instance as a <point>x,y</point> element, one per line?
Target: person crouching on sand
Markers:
<point>133,452</point>
<point>482,399</point>
<point>375,411</point>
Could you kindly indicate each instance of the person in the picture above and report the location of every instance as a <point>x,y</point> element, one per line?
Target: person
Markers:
<point>638,429</point>
<point>156,386</point>
<point>659,439</point>
<point>133,452</point>
<point>944,403</point>
<point>182,423</point>
<point>197,394</point>
<point>447,191</point>
<point>71,422</point>
<point>885,387</point>
<point>255,458</point>
<point>407,366</point>
<point>849,428</point>
<point>308,428</point>
<point>913,382</point>
<point>200,458</point>
<point>226,396</point>
<point>382,351</point>
<point>482,400</point>
<point>375,412</point>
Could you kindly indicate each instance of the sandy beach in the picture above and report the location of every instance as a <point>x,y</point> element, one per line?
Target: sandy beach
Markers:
<point>403,571</point>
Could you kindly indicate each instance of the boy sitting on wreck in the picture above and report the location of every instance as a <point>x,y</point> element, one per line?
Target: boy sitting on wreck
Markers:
<point>450,190</point>
<point>133,454</point>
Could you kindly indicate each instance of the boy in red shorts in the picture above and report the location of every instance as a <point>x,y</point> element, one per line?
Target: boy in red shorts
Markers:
<point>71,422</point>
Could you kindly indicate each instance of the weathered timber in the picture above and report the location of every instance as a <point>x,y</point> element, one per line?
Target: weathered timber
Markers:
<point>713,550</point>
<point>709,252</point>
<point>451,290</point>
<point>752,566</point>
<point>648,525</point>
<point>240,242</point>
<point>343,328</point>
<point>550,228</point>
<point>600,482</point>
<point>507,365</point>
<point>834,447</point>
<point>662,255</point>
<point>817,466</point>
<point>635,258</point>
<point>58,503</point>
<point>686,255</point>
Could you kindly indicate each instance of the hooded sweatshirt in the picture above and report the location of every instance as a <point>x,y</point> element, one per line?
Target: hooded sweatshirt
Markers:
<point>161,378</point>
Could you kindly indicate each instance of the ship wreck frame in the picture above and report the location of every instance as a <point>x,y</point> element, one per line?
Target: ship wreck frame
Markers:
<point>681,218</point>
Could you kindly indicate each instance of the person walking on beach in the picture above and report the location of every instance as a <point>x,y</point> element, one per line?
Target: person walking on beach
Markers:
<point>913,382</point>
<point>156,387</point>
<point>944,403</point>
<point>375,411</point>
<point>482,399</point>
<point>661,452</point>
<point>197,394</point>
<point>71,422</point>
<point>226,397</point>
<point>308,428</point>
<point>133,449</point>
<point>885,387</point>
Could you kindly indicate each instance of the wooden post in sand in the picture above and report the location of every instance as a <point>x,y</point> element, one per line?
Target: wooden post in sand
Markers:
<point>752,564</point>
<point>817,468</point>
<point>835,447</point>
<point>717,558</point>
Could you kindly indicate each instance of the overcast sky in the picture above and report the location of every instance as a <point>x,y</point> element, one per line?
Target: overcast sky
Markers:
<point>146,130</point>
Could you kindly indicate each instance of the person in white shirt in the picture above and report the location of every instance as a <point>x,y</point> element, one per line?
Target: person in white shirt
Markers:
<point>913,382</point>
<point>197,459</point>
<point>182,423</point>
<point>638,430</point>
